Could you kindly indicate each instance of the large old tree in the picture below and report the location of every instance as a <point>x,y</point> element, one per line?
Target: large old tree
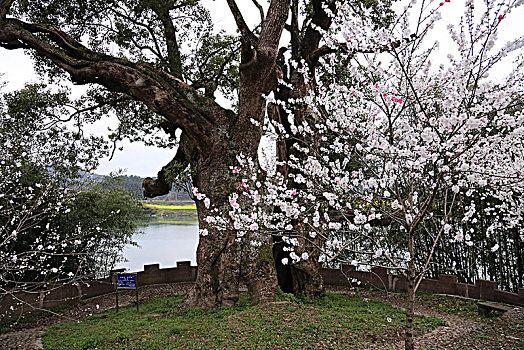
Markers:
<point>305,51</point>
<point>158,65</point>
<point>148,66</point>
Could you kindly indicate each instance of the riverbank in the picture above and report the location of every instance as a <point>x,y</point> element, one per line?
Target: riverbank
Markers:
<point>168,212</point>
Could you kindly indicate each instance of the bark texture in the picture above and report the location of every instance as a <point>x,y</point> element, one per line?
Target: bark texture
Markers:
<point>304,277</point>
<point>410,312</point>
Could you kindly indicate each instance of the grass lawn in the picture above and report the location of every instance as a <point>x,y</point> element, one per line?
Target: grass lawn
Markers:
<point>335,322</point>
<point>455,305</point>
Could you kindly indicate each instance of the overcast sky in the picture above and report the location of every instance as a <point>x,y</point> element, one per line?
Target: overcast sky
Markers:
<point>139,160</point>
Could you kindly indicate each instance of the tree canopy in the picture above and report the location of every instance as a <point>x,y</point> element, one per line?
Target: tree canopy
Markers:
<point>157,65</point>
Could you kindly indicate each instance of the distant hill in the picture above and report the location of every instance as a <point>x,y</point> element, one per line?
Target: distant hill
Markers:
<point>134,184</point>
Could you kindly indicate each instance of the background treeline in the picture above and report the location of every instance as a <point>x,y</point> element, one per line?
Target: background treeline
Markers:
<point>133,184</point>
<point>496,252</point>
<point>56,223</point>
<point>478,245</point>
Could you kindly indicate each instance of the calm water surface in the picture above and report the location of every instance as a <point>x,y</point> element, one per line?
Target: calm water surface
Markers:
<point>162,244</point>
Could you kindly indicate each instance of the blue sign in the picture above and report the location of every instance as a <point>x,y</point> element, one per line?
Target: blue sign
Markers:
<point>126,280</point>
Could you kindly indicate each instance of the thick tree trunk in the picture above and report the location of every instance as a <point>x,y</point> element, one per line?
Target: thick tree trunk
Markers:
<point>307,278</point>
<point>215,135</point>
<point>302,278</point>
<point>223,261</point>
<point>259,273</point>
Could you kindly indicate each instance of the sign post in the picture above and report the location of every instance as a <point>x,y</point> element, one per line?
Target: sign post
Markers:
<point>126,281</point>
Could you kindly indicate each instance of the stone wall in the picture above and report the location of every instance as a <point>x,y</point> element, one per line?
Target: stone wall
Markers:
<point>63,294</point>
<point>446,284</point>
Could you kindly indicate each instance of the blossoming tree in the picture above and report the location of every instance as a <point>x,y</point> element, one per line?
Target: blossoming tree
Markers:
<point>399,145</point>
<point>157,64</point>
<point>54,226</point>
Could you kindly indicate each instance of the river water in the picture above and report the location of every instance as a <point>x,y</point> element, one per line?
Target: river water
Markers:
<point>162,244</point>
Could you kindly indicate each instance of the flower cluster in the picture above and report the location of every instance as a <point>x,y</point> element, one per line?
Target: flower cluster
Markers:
<point>403,149</point>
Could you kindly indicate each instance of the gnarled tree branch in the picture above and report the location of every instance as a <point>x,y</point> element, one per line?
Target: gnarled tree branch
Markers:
<point>5,5</point>
<point>163,93</point>
<point>163,183</point>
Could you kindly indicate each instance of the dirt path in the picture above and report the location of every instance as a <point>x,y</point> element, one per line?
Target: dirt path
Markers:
<point>504,333</point>
<point>456,326</point>
<point>440,337</point>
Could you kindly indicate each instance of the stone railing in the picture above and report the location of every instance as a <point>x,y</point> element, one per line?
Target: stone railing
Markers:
<point>25,302</point>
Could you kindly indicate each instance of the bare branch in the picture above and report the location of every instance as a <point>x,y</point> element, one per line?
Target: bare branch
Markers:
<point>260,9</point>
<point>246,33</point>
<point>342,47</point>
<point>163,93</point>
<point>173,50</point>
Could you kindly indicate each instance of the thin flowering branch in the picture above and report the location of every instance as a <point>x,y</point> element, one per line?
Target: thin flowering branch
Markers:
<point>399,146</point>
<point>44,237</point>
<point>436,240</point>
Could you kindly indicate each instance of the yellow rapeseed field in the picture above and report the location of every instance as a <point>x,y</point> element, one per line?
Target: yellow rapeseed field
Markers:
<point>174,207</point>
